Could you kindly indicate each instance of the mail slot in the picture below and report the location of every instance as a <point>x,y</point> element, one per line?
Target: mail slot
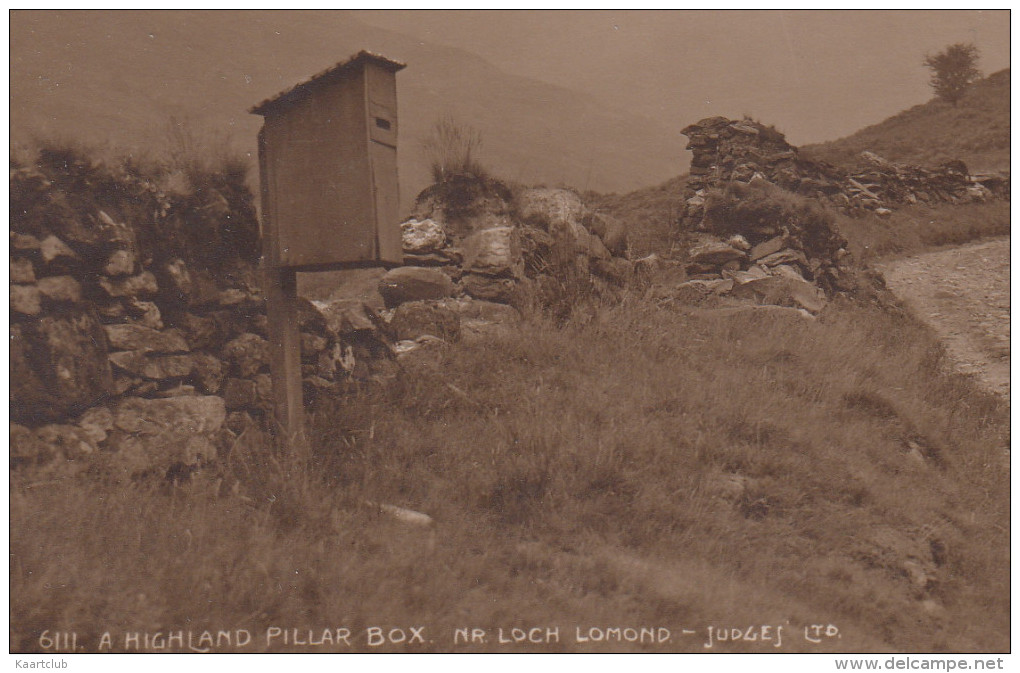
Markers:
<point>328,169</point>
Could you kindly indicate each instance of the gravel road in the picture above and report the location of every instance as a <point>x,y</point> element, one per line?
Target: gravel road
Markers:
<point>963,293</point>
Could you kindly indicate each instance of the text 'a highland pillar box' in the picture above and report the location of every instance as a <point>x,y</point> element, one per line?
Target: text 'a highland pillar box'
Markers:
<point>330,198</point>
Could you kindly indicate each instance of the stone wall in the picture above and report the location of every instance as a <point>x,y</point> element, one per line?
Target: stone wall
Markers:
<point>725,150</point>
<point>138,326</point>
<point>753,223</point>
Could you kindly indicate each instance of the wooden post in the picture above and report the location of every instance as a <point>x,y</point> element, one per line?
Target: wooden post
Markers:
<point>285,353</point>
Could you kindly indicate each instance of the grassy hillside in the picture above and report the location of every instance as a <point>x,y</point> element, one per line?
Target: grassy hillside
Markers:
<point>649,214</point>
<point>70,79</point>
<point>639,466</point>
<point>975,131</point>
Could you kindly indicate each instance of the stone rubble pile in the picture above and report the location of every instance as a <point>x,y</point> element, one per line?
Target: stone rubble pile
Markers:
<point>472,250</point>
<point>726,150</point>
<point>746,240</point>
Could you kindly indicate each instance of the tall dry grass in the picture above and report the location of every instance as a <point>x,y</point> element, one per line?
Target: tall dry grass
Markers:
<point>915,229</point>
<point>633,465</point>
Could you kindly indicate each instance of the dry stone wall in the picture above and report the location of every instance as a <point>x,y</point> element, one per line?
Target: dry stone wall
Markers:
<point>138,327</point>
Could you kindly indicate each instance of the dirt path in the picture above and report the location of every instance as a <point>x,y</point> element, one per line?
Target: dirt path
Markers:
<point>963,293</point>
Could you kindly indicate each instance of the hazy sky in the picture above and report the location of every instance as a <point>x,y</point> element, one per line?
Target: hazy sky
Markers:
<point>817,75</point>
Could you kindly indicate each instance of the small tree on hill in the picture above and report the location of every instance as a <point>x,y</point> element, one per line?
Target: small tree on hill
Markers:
<point>953,70</point>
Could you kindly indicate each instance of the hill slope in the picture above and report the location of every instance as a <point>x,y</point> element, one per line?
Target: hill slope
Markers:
<point>975,131</point>
<point>117,77</point>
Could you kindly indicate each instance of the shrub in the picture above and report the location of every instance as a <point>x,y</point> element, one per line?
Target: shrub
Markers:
<point>738,207</point>
<point>451,150</point>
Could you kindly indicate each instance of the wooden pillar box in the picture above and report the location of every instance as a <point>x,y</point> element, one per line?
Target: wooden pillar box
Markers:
<point>330,197</point>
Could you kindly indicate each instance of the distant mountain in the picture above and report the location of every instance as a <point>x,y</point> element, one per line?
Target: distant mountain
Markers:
<point>117,77</point>
<point>976,131</point>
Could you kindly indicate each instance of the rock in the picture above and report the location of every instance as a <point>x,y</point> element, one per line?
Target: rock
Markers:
<point>312,345</point>
<point>26,448</point>
<point>56,252</point>
<point>316,385</point>
<point>205,332</point>
<point>25,244</point>
<point>610,231</point>
<point>144,284</point>
<point>411,283</point>
<point>207,372</point>
<point>249,351</point>
<point>696,291</point>
<point>423,344</point>
<point>420,237</point>
<point>114,234</point>
<point>413,319</point>
<point>259,324</point>
<point>975,192</point>
<point>883,212</point>
<point>553,210</point>
<point>310,319</point>
<point>112,311</point>
<point>754,272</point>
<point>60,289</point>
<point>176,391</point>
<point>123,383</point>
<point>783,312</point>
<point>739,242</point>
<point>788,271</point>
<point>345,316</point>
<point>782,291</point>
<point>144,313</point>
<point>239,393</point>
<point>446,257</point>
<point>327,361</point>
<point>67,441</point>
<point>178,283</point>
<point>464,203</point>
<point>26,299</point>
<point>120,263</point>
<point>767,248</point>
<point>592,245</point>
<point>128,337</point>
<point>486,287</point>
<point>714,252</point>
<point>647,265</point>
<point>494,252</point>
<point>153,367</point>
<point>233,297</point>
<point>784,256</point>
<point>96,423</point>
<point>875,159</point>
<point>22,271</point>
<point>156,435</point>
<point>58,366</point>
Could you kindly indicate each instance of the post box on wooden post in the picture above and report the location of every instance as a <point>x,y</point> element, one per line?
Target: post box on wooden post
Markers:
<point>330,198</point>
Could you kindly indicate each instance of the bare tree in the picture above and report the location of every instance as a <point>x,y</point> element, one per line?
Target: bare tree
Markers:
<point>953,70</point>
